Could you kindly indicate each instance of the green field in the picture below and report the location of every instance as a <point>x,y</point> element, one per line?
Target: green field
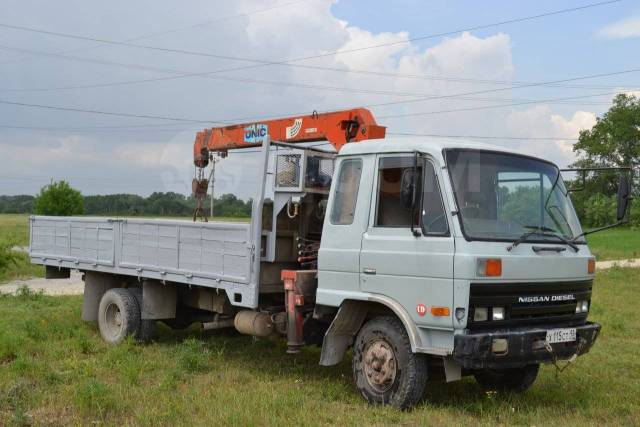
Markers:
<point>617,243</point>
<point>14,228</point>
<point>54,369</point>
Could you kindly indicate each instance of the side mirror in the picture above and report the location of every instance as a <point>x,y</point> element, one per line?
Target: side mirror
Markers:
<point>624,196</point>
<point>407,185</point>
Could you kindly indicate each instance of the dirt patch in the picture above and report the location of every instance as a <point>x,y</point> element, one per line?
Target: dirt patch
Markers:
<point>625,263</point>
<point>72,286</point>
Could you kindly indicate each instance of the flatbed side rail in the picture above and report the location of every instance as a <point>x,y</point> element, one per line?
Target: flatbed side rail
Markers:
<point>214,254</point>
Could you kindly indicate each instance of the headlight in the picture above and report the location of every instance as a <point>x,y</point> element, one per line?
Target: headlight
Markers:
<point>489,267</point>
<point>498,313</point>
<point>582,306</point>
<point>480,314</point>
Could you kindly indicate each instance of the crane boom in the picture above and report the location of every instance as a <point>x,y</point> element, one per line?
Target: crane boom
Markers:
<point>338,128</point>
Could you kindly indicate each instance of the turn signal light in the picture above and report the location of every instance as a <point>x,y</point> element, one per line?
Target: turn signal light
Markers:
<point>440,311</point>
<point>591,266</point>
<point>489,267</point>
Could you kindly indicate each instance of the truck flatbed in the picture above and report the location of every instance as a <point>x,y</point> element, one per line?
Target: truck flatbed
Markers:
<point>210,254</point>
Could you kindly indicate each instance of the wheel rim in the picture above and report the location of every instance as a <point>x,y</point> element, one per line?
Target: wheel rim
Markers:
<point>380,367</point>
<point>113,320</point>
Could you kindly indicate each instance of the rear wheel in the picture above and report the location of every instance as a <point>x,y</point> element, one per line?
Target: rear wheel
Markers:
<point>514,380</point>
<point>147,330</point>
<point>384,368</point>
<point>118,315</point>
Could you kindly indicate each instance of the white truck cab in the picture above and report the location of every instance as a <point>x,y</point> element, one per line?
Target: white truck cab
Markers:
<point>469,246</point>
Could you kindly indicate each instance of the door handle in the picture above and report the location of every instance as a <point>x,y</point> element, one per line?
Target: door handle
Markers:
<point>369,271</point>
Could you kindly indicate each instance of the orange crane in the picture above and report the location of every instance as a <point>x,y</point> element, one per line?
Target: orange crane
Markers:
<point>337,127</point>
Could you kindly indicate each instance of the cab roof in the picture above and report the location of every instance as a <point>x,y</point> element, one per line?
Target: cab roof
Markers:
<point>432,146</point>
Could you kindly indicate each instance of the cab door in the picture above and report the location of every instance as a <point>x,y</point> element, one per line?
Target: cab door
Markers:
<point>415,269</point>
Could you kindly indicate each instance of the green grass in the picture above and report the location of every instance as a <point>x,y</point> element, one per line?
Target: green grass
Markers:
<point>21,270</point>
<point>55,369</point>
<point>15,229</point>
<point>617,243</point>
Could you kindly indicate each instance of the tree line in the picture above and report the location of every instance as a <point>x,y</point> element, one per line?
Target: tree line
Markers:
<point>157,204</point>
<point>614,141</point>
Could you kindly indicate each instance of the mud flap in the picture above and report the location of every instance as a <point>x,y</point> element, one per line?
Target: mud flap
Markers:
<point>340,334</point>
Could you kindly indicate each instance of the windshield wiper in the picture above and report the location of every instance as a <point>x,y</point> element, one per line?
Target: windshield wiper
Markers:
<point>541,231</point>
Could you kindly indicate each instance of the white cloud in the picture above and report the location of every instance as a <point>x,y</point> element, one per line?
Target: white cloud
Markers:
<point>146,161</point>
<point>622,29</point>
<point>541,121</point>
<point>42,152</point>
<point>635,93</point>
<point>466,56</point>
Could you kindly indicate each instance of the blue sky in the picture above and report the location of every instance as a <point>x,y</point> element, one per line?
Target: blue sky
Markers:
<point>543,49</point>
<point>99,154</point>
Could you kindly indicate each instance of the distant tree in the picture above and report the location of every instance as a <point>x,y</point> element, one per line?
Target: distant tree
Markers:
<point>614,141</point>
<point>615,138</point>
<point>229,205</point>
<point>16,204</point>
<point>114,204</point>
<point>58,199</point>
<point>521,205</point>
<point>167,204</point>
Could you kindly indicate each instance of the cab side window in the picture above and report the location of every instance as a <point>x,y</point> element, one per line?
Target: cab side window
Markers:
<point>346,196</point>
<point>391,212</point>
<point>393,174</point>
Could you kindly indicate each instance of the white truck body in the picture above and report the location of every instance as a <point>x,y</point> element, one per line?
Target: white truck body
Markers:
<point>406,231</point>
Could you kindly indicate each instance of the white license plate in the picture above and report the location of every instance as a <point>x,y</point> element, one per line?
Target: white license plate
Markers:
<point>561,335</point>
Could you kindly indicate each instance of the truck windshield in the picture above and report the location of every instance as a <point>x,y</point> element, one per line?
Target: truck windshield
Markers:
<point>501,196</point>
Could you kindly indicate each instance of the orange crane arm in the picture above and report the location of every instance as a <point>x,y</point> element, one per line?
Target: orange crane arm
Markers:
<point>338,128</point>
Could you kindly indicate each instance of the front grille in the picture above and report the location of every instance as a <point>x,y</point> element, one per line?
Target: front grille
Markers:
<point>529,303</point>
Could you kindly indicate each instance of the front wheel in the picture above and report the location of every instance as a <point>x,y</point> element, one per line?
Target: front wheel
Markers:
<point>514,380</point>
<point>385,370</point>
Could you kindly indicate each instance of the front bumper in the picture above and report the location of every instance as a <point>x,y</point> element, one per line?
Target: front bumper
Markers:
<point>525,347</point>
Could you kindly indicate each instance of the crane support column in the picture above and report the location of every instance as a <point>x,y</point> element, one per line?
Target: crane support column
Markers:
<point>299,289</point>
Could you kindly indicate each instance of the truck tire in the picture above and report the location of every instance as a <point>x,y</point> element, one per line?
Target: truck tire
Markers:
<point>385,370</point>
<point>147,330</point>
<point>513,380</point>
<point>118,315</point>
